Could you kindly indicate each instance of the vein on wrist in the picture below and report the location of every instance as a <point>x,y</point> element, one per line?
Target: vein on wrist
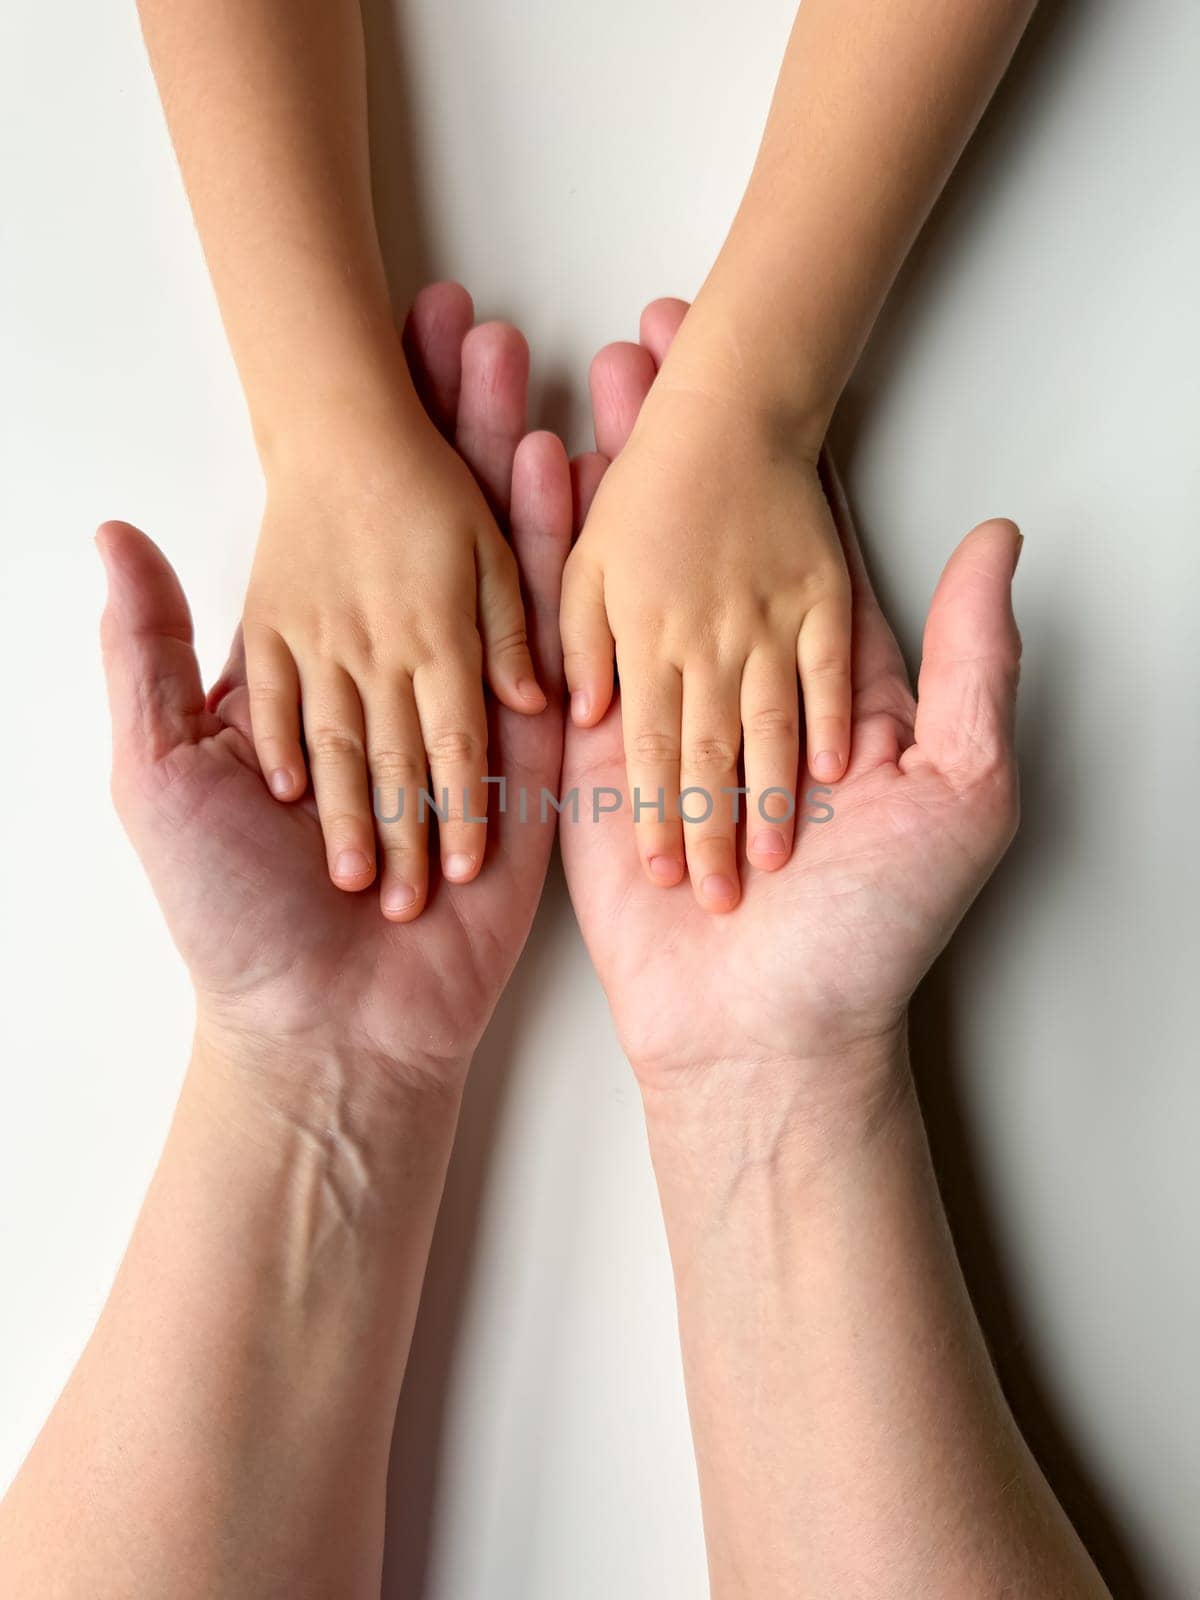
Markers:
<point>787,1119</point>
<point>354,1135</point>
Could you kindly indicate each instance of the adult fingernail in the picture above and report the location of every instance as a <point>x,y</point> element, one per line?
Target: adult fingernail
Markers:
<point>768,843</point>
<point>1020,547</point>
<point>531,691</point>
<point>351,864</point>
<point>718,887</point>
<point>458,865</point>
<point>580,706</point>
<point>281,782</point>
<point>827,765</point>
<point>665,869</point>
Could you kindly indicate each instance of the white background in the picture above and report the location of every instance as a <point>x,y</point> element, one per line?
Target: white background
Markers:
<point>1039,359</point>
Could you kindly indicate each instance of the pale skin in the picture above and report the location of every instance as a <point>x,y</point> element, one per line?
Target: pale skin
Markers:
<point>382,593</point>
<point>226,1431</point>
<point>851,1436</point>
<point>709,568</point>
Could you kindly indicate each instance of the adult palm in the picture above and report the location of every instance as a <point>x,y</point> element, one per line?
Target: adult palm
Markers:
<point>273,948</point>
<point>824,953</point>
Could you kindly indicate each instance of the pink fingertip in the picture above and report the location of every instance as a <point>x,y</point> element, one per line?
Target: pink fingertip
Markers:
<point>350,864</point>
<point>718,887</point>
<point>769,843</point>
<point>666,870</point>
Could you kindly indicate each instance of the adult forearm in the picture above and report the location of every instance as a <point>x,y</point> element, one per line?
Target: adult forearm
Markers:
<point>875,101</point>
<point>266,102</point>
<point>850,1433</point>
<point>227,1429</point>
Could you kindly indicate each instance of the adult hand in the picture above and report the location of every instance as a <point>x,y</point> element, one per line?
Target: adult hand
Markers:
<point>819,962</point>
<point>278,955</point>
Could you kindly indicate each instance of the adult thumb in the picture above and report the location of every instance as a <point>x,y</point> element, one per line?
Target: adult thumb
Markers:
<point>154,691</point>
<point>970,661</point>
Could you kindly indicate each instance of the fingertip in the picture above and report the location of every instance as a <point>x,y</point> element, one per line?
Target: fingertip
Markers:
<point>665,871</point>
<point>590,702</point>
<point>660,322</point>
<point>581,707</point>
<point>286,784</point>
<point>827,766</point>
<point>460,867</point>
<point>541,456</point>
<point>526,696</point>
<point>542,498</point>
<point>401,902</point>
<point>619,379</point>
<point>718,892</point>
<point>495,343</point>
<point>768,850</point>
<point>352,870</point>
<point>447,301</point>
<point>1000,536</point>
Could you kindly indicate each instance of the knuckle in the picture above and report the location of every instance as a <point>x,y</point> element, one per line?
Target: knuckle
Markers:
<point>341,825</point>
<point>579,662</point>
<point>827,668</point>
<point>400,767</point>
<point>711,754</point>
<point>707,847</point>
<point>404,852</point>
<point>329,746</point>
<point>654,748</point>
<point>454,745</point>
<point>771,723</point>
<point>267,694</point>
<point>513,642</point>
<point>466,647</point>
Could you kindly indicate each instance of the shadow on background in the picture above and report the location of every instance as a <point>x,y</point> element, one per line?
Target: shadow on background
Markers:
<point>421,1416</point>
<point>407,227</point>
<point>1012,123</point>
<point>411,257</point>
<point>408,250</point>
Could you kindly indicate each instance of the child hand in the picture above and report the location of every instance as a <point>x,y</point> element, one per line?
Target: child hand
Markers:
<point>382,594</point>
<point>710,559</point>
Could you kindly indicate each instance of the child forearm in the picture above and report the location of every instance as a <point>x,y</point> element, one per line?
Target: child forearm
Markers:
<point>874,103</point>
<point>266,102</point>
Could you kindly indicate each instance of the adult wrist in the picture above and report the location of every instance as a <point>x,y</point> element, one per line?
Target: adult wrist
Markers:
<point>346,1113</point>
<point>801,1114</point>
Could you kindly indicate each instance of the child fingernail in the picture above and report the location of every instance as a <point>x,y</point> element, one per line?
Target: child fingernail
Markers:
<point>458,865</point>
<point>768,843</point>
<point>281,782</point>
<point>664,869</point>
<point>580,706</point>
<point>398,897</point>
<point>718,887</point>
<point>827,765</point>
<point>351,864</point>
